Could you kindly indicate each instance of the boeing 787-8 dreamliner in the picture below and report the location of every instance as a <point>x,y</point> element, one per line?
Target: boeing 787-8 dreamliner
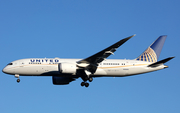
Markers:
<point>64,71</point>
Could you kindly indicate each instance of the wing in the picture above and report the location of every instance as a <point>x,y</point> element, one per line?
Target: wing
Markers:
<point>100,56</point>
<point>90,64</point>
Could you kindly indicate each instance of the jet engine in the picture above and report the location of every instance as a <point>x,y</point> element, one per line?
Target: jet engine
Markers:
<point>61,80</point>
<point>67,68</point>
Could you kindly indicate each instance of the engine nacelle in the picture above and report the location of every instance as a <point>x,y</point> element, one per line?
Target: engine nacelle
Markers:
<point>61,80</point>
<point>67,68</point>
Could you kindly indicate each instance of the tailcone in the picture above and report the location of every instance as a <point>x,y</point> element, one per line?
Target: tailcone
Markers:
<point>165,66</point>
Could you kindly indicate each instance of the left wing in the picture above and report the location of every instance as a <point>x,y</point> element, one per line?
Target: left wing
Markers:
<point>91,63</point>
<point>100,56</point>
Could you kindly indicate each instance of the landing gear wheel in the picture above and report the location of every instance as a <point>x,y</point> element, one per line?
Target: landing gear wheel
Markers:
<point>90,79</point>
<point>82,83</point>
<point>18,80</point>
<point>86,84</point>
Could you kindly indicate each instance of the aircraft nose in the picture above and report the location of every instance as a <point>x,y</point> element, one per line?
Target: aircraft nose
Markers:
<point>5,70</point>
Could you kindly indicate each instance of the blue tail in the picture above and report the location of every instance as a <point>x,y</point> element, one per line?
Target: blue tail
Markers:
<point>153,51</point>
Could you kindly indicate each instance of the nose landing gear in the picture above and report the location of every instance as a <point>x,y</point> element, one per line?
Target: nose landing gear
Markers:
<point>18,80</point>
<point>17,76</point>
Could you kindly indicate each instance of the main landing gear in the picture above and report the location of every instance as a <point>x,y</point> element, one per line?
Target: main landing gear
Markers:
<point>85,83</point>
<point>17,76</point>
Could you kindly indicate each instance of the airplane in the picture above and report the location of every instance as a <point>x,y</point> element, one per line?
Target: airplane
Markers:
<point>64,71</point>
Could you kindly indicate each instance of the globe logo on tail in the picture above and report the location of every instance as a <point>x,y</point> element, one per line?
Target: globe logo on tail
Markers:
<point>149,55</point>
<point>152,53</point>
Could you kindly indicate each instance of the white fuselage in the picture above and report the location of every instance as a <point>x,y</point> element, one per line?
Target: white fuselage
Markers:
<point>49,67</point>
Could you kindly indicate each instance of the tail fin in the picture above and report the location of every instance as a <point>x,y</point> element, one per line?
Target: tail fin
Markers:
<point>153,51</point>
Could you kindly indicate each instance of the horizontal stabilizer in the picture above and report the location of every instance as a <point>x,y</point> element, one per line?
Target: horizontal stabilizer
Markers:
<point>160,62</point>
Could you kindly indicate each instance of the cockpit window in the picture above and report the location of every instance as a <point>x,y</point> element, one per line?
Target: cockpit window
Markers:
<point>10,64</point>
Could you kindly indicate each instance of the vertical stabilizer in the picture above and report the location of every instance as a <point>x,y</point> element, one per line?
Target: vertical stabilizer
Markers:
<point>153,51</point>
